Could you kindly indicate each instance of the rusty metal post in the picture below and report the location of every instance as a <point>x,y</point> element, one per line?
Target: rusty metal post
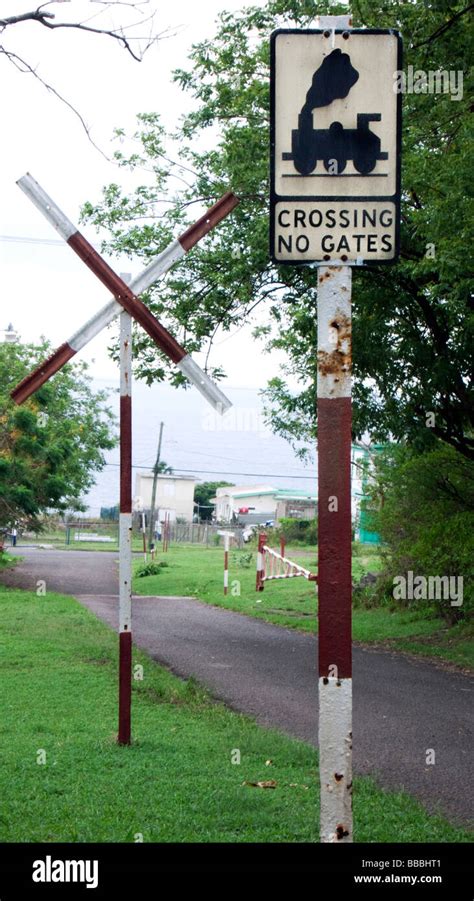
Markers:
<point>334,552</point>
<point>125,554</point>
<point>334,539</point>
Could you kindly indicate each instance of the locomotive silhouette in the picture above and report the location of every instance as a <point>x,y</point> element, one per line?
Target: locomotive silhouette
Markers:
<point>332,81</point>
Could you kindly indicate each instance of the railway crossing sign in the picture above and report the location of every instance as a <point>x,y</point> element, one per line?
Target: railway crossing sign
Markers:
<point>335,146</point>
<point>126,303</point>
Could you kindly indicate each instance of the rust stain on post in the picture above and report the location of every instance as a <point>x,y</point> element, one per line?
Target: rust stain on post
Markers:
<point>338,362</point>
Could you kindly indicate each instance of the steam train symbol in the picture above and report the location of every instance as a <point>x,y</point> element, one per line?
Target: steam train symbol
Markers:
<point>335,145</point>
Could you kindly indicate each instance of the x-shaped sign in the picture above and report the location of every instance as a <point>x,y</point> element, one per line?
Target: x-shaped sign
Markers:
<point>125,296</point>
<point>125,302</point>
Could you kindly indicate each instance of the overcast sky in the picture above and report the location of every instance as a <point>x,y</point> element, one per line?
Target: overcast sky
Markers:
<point>46,289</point>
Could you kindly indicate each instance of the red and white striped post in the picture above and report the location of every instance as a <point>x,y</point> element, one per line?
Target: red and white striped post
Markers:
<point>226,536</point>
<point>334,552</point>
<point>334,540</point>
<point>262,540</point>
<point>125,526</point>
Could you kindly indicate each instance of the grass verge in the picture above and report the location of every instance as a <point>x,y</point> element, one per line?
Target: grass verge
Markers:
<point>176,783</point>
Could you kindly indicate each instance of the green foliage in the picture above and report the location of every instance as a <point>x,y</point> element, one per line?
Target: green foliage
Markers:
<point>152,568</point>
<point>51,446</point>
<point>202,496</point>
<point>163,468</point>
<point>304,531</point>
<point>413,325</point>
<point>423,507</point>
<point>244,560</point>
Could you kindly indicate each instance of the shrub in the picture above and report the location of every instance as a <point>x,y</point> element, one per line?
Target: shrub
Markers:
<point>150,569</point>
<point>422,504</point>
<point>304,531</point>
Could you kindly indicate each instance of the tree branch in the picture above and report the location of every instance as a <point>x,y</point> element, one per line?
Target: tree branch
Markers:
<point>23,66</point>
<point>441,30</point>
<point>45,18</point>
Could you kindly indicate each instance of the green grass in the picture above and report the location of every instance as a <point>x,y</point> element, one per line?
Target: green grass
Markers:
<point>176,781</point>
<point>454,644</point>
<point>198,572</point>
<point>7,561</point>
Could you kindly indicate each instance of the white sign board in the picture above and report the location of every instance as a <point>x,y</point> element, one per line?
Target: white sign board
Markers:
<point>335,146</point>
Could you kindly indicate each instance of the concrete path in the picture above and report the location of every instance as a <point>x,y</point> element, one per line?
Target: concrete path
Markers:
<point>402,707</point>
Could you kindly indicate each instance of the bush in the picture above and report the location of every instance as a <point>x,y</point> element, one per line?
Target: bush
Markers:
<point>422,504</point>
<point>150,569</point>
<point>244,560</point>
<point>303,531</point>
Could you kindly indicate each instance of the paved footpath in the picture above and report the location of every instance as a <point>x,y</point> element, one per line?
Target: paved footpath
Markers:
<point>402,706</point>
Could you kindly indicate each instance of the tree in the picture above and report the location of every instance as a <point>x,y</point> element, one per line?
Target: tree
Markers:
<point>413,322</point>
<point>52,445</point>
<point>423,507</point>
<point>203,493</point>
<point>162,468</point>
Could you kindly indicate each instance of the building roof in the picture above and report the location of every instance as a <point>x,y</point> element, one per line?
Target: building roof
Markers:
<point>280,494</point>
<point>148,474</point>
<point>294,494</point>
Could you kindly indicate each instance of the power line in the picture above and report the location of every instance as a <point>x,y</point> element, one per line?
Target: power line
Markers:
<point>218,472</point>
<point>24,239</point>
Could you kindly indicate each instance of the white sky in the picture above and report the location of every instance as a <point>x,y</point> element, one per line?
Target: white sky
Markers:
<point>46,289</point>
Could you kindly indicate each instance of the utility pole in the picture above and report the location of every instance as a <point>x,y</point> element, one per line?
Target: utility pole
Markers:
<point>153,492</point>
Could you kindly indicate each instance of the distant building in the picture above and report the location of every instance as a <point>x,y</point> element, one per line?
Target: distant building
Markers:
<point>174,495</point>
<point>362,473</point>
<point>262,503</point>
<point>295,504</point>
<point>9,335</point>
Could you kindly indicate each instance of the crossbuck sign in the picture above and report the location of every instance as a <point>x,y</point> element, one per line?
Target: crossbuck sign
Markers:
<point>335,176</point>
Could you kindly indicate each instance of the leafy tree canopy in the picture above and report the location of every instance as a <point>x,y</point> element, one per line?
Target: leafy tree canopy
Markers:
<point>51,446</point>
<point>423,507</point>
<point>202,496</point>
<point>413,322</point>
